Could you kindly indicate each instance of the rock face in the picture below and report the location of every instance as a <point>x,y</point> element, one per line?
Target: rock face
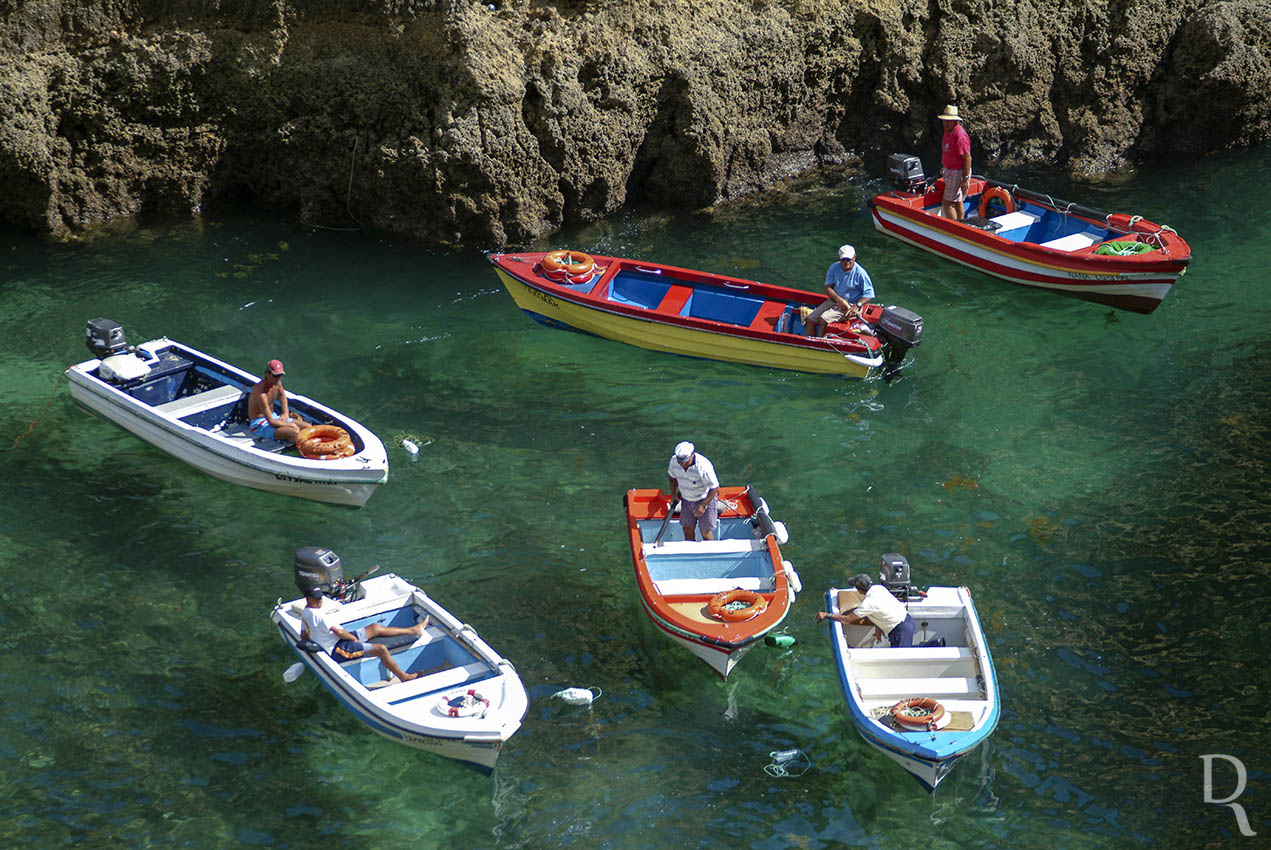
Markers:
<point>497,123</point>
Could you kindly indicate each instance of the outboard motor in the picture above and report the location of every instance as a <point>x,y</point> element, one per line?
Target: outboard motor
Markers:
<point>104,337</point>
<point>318,567</point>
<point>894,575</point>
<point>901,330</point>
<point>119,361</point>
<point>906,172</point>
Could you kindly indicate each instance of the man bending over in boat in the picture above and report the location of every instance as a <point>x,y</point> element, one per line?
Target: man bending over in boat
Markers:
<point>847,289</point>
<point>887,613</point>
<point>693,477</point>
<point>344,645</point>
<point>265,424</point>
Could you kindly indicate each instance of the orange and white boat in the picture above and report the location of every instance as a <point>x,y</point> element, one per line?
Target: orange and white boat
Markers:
<point>717,598</point>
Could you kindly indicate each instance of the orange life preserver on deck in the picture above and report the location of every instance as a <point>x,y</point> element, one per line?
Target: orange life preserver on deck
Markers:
<point>755,605</point>
<point>995,193</point>
<point>918,712</point>
<point>568,265</point>
<point>324,442</point>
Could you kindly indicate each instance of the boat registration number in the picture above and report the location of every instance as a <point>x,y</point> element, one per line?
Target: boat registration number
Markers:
<point>543,296</point>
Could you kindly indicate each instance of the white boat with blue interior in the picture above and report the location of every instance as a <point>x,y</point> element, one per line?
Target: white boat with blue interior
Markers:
<point>469,699</point>
<point>194,407</point>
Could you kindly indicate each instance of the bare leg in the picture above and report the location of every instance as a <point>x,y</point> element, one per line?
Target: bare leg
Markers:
<point>375,630</point>
<point>381,652</point>
<point>708,535</point>
<point>688,533</point>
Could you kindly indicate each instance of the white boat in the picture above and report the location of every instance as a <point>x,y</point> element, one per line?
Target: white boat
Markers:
<point>465,707</point>
<point>922,707</point>
<point>194,407</point>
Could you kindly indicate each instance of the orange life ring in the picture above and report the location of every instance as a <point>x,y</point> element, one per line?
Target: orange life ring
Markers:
<point>918,712</point>
<point>572,263</point>
<point>755,605</point>
<point>324,442</point>
<point>995,193</point>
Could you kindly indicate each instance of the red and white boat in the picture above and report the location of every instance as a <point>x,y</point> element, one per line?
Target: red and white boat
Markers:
<point>1033,239</point>
<point>717,598</point>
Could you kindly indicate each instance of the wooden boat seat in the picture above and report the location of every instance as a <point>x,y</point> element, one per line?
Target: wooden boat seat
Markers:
<point>1072,242</point>
<point>675,299</point>
<point>766,318</point>
<point>937,688</point>
<point>1016,220</point>
<point>882,655</point>
<point>200,402</point>
<point>686,586</point>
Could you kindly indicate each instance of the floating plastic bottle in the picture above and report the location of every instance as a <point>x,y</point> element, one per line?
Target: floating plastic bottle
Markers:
<point>578,696</point>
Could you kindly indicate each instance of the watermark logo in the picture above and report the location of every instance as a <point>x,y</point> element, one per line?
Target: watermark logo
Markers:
<point>1242,820</point>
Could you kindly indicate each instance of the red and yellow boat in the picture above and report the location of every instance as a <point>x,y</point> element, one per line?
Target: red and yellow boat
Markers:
<point>717,598</point>
<point>699,314</point>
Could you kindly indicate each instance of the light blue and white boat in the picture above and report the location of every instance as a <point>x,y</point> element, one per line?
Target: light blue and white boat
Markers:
<point>922,707</point>
<point>465,707</point>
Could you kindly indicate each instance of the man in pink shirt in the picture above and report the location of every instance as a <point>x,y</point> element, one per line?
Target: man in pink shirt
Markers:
<point>955,158</point>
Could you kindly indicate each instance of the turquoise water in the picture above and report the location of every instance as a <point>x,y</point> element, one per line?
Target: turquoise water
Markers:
<point>1097,478</point>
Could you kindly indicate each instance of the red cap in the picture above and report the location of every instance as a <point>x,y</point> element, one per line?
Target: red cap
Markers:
<point>275,367</point>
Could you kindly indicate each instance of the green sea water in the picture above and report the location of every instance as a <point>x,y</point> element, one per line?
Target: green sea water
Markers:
<point>1097,478</point>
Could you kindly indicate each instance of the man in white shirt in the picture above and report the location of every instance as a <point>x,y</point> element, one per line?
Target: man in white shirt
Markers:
<point>886,612</point>
<point>693,477</point>
<point>344,645</point>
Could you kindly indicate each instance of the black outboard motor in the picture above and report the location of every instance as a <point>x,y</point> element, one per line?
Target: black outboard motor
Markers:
<point>104,337</point>
<point>906,172</point>
<point>894,575</point>
<point>318,567</point>
<point>901,330</point>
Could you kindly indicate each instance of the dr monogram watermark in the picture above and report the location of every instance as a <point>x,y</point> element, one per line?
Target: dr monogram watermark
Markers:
<point>1242,820</point>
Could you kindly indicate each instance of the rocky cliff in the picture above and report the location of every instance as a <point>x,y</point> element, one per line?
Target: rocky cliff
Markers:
<point>495,123</point>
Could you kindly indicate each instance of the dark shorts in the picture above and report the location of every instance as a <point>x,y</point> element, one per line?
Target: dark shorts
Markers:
<point>903,634</point>
<point>706,522</point>
<point>347,650</point>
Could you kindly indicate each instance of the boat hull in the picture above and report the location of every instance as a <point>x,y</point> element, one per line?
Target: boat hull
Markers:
<point>347,481</point>
<point>586,309</point>
<point>410,717</point>
<point>1136,283</point>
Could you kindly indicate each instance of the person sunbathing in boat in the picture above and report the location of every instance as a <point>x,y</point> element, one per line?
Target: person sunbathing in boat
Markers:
<point>343,645</point>
<point>264,422</point>
<point>848,288</point>
<point>880,608</point>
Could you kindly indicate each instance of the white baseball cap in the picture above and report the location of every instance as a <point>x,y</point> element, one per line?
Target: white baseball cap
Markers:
<point>684,450</point>
<point>847,252</point>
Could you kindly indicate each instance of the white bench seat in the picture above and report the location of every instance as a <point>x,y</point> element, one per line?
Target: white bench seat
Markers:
<point>1072,242</point>
<point>685,586</point>
<point>943,687</point>
<point>1016,220</point>
<point>884,655</point>
<point>433,683</point>
<point>199,402</point>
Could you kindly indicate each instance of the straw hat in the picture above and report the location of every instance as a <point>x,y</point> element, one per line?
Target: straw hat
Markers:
<point>950,114</point>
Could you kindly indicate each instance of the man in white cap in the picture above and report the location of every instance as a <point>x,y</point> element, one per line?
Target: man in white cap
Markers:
<point>955,159</point>
<point>693,477</point>
<point>848,288</point>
